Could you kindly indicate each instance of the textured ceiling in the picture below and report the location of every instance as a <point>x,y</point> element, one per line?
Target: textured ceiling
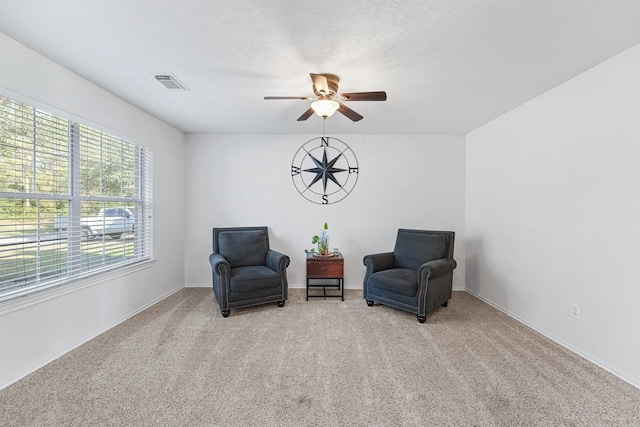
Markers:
<point>448,66</point>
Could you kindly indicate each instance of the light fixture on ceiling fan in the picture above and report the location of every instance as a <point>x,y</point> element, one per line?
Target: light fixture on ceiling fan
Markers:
<point>325,107</point>
<point>327,100</point>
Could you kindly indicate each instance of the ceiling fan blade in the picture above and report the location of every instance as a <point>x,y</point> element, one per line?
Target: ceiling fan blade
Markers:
<point>270,98</point>
<point>349,112</point>
<point>364,96</point>
<point>306,115</point>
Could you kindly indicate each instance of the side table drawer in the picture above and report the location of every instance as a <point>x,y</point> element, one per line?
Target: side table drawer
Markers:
<point>324,269</point>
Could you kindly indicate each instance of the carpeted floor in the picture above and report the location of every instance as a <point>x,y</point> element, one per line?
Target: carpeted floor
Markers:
<point>319,363</point>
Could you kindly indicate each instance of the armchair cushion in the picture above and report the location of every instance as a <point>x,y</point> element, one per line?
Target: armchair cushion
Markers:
<point>251,278</point>
<point>414,249</point>
<point>243,248</point>
<point>401,281</point>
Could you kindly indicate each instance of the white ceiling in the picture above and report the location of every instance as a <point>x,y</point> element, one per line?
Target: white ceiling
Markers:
<point>448,66</point>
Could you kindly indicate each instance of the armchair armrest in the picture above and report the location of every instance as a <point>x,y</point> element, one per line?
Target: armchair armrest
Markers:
<point>436,268</point>
<point>219,264</point>
<point>378,262</point>
<point>374,263</point>
<point>277,261</point>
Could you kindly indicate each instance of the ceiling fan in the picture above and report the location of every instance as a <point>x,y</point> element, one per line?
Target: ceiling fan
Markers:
<point>327,100</point>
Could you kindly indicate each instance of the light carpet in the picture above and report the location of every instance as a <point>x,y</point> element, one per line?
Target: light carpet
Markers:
<point>319,363</point>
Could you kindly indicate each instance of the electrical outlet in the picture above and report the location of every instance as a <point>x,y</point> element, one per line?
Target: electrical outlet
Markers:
<point>575,310</point>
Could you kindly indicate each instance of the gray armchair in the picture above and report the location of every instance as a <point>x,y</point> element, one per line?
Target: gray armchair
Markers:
<point>416,277</point>
<point>245,270</point>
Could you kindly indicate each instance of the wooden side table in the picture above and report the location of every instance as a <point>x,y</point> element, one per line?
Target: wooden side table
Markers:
<point>325,268</point>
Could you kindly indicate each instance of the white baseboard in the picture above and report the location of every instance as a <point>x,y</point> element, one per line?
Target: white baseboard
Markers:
<point>208,285</point>
<point>291,286</point>
<point>554,339</point>
<point>50,358</point>
<point>197,285</point>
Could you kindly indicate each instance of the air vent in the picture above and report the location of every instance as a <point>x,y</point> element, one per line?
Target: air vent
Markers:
<point>170,81</point>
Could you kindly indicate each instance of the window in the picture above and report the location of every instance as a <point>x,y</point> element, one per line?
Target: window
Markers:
<point>73,200</point>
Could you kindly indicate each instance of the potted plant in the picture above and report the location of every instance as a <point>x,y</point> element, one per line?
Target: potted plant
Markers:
<point>322,241</point>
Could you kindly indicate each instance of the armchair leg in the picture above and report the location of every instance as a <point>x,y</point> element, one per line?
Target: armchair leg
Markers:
<point>422,319</point>
<point>281,303</point>
<point>446,303</point>
<point>225,313</point>
<point>369,303</point>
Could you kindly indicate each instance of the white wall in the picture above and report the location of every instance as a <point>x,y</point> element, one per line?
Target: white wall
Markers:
<point>405,181</point>
<point>552,213</point>
<point>34,331</point>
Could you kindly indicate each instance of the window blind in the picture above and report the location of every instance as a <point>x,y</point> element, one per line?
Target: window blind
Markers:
<point>73,200</point>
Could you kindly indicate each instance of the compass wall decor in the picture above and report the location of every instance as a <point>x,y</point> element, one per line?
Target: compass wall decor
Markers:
<point>324,170</point>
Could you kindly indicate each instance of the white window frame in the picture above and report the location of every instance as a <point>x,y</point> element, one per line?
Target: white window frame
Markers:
<point>138,247</point>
